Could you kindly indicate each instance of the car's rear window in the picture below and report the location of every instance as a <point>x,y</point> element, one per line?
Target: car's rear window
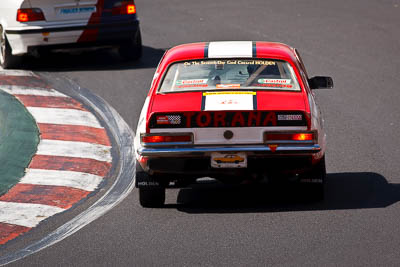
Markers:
<point>220,74</point>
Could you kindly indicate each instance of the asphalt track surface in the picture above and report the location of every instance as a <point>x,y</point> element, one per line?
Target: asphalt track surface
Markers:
<point>355,42</point>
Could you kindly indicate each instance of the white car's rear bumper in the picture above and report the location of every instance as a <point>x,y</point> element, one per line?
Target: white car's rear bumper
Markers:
<point>21,39</point>
<point>20,42</point>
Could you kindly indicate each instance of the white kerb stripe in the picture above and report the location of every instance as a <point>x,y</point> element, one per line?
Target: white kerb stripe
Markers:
<point>26,214</point>
<point>230,49</point>
<point>79,180</point>
<point>74,149</point>
<point>64,116</point>
<point>23,90</point>
<point>16,73</point>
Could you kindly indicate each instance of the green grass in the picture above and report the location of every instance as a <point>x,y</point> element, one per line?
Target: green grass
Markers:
<point>19,137</point>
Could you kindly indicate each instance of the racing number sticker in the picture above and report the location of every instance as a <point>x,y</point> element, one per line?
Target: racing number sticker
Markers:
<point>229,101</point>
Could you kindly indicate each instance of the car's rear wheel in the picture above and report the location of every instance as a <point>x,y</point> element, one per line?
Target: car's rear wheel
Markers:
<point>151,190</point>
<point>152,197</point>
<point>314,181</point>
<point>131,49</point>
<point>7,59</point>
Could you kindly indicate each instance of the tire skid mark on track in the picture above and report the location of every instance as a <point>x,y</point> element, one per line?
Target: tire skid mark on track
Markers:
<point>73,156</point>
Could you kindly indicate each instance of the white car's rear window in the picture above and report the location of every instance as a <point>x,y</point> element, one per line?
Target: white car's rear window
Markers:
<point>254,74</point>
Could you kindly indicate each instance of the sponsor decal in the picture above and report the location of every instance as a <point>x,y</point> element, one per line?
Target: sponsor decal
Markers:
<point>290,117</point>
<point>77,10</point>
<point>229,62</point>
<point>274,85</point>
<point>224,119</point>
<point>275,81</point>
<point>227,86</point>
<point>169,120</point>
<point>151,183</point>
<point>191,82</point>
<point>191,85</point>
<point>229,102</point>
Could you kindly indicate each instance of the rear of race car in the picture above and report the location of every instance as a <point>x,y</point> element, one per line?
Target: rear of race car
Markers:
<point>35,24</point>
<point>229,119</point>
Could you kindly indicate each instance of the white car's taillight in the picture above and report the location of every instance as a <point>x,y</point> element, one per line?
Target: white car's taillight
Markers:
<point>124,8</point>
<point>30,14</point>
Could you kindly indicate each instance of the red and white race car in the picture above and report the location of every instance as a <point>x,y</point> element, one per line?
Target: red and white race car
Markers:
<point>231,111</point>
<point>29,26</point>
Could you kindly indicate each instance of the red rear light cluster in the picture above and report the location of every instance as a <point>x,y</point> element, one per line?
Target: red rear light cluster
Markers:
<point>276,137</point>
<point>181,138</point>
<point>124,8</point>
<point>30,14</point>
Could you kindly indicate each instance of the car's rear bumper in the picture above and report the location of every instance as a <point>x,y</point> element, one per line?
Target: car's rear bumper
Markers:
<point>198,151</point>
<point>196,161</point>
<point>23,39</point>
<point>201,166</point>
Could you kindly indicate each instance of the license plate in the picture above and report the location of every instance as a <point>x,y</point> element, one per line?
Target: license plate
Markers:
<point>76,10</point>
<point>228,160</point>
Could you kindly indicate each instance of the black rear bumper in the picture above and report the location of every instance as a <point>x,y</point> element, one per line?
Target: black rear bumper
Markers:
<point>200,167</point>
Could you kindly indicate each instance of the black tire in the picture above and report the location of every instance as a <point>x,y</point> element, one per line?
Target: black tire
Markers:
<point>152,197</point>
<point>316,190</point>
<point>131,49</point>
<point>7,59</point>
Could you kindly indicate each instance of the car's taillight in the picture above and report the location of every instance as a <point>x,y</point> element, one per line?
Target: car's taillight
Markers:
<point>294,136</point>
<point>30,14</point>
<point>149,139</point>
<point>124,8</point>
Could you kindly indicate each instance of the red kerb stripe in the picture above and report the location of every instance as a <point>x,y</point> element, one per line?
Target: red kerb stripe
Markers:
<point>59,196</point>
<point>10,231</point>
<point>27,81</point>
<point>91,166</point>
<point>74,133</point>
<point>50,102</point>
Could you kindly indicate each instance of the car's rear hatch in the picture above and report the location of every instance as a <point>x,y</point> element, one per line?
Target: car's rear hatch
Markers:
<point>62,10</point>
<point>261,111</point>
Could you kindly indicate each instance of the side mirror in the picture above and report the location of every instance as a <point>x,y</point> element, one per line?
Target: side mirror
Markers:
<point>320,82</point>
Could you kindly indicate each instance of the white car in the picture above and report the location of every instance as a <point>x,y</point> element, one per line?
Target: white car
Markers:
<point>29,26</point>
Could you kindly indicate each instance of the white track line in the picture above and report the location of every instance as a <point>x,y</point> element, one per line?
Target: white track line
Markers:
<point>24,214</point>
<point>80,180</point>
<point>74,149</point>
<point>23,90</point>
<point>64,116</point>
